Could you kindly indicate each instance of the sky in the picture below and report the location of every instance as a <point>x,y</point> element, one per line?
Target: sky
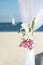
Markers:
<point>10,8</point>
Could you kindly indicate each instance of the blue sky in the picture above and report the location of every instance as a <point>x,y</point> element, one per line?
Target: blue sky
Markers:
<point>9,8</point>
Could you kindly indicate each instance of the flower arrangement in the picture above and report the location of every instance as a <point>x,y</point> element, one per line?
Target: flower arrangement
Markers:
<point>27,35</point>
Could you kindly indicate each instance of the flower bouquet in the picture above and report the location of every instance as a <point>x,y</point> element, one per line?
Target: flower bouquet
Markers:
<point>27,35</point>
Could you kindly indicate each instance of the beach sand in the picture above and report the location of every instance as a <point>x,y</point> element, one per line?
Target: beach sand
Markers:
<point>11,53</point>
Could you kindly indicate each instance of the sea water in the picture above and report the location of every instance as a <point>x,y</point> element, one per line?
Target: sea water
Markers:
<point>8,27</point>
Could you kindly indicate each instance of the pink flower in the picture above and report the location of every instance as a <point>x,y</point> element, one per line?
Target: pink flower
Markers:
<point>23,44</point>
<point>27,44</point>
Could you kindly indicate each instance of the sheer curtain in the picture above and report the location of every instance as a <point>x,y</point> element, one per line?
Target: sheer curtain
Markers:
<point>26,13</point>
<point>39,19</point>
<point>25,10</point>
<point>26,16</point>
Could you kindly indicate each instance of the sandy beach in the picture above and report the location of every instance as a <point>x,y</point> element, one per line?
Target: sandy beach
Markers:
<point>11,53</point>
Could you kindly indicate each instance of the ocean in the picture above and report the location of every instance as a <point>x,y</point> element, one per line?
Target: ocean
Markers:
<point>8,27</point>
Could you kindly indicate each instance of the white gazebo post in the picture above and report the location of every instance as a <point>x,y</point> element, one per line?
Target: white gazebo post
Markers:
<point>25,11</point>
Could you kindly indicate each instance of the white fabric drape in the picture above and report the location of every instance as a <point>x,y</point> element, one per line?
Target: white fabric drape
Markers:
<point>25,10</point>
<point>26,16</point>
<point>39,19</point>
<point>30,57</point>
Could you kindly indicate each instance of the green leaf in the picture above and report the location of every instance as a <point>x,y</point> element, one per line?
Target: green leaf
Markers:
<point>33,22</point>
<point>29,29</point>
<point>21,30</point>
